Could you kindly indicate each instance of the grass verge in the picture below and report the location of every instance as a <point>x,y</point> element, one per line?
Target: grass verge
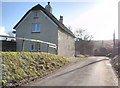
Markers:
<point>17,66</point>
<point>116,64</point>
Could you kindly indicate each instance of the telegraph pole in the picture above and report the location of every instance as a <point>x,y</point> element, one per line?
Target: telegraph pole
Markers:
<point>114,43</point>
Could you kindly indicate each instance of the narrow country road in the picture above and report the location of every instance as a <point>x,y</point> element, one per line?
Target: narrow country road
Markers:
<point>93,71</point>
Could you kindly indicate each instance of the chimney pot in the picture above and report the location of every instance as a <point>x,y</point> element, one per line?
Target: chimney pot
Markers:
<point>61,19</point>
<point>48,3</point>
<point>48,8</point>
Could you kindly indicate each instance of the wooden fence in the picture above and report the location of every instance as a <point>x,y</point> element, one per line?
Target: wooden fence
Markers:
<point>52,45</point>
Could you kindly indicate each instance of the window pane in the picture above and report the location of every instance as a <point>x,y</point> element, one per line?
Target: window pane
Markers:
<point>35,14</point>
<point>39,46</point>
<point>35,27</point>
<point>32,47</point>
<point>38,27</point>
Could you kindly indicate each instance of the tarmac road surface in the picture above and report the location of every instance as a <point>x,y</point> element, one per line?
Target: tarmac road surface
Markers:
<point>92,71</point>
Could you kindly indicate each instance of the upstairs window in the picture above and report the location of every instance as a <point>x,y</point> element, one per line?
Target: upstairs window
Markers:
<point>35,27</point>
<point>36,15</point>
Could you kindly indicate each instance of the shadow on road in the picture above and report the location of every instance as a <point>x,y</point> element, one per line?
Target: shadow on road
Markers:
<point>80,68</point>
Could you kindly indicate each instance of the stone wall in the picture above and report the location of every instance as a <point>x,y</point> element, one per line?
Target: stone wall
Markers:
<point>66,44</point>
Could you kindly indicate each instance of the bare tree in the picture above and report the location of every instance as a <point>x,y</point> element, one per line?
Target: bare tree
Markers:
<point>83,44</point>
<point>82,34</point>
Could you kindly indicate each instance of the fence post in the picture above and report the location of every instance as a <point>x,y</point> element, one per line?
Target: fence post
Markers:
<point>23,44</point>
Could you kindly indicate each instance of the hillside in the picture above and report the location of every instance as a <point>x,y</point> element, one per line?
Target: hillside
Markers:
<point>102,47</point>
<point>103,43</point>
<point>19,67</point>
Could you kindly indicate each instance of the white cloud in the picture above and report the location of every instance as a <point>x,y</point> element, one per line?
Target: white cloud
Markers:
<point>101,20</point>
<point>2,31</point>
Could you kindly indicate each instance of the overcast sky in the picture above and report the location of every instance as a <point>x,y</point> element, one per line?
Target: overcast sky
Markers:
<point>99,17</point>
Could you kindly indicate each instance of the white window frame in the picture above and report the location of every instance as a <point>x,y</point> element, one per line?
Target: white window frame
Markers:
<point>35,27</point>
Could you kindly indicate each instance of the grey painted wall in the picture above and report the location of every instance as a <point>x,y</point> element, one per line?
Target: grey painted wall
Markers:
<point>48,32</point>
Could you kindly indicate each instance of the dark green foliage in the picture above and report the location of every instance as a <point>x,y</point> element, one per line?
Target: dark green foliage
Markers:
<point>47,67</point>
<point>53,63</point>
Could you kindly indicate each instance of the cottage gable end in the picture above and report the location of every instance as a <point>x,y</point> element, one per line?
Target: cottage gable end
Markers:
<point>48,15</point>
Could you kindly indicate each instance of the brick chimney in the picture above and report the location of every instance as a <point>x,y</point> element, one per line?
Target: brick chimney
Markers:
<point>48,8</point>
<point>61,19</point>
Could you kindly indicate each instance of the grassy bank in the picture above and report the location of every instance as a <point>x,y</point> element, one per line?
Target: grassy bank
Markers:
<point>116,64</point>
<point>23,66</point>
<point>81,56</point>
